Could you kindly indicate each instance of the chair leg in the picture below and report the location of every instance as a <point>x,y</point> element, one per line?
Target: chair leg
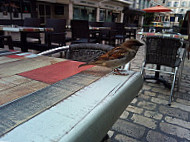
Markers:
<point>142,70</point>
<point>172,88</point>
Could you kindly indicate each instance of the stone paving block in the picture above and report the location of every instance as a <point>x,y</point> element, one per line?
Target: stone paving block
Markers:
<point>175,130</point>
<point>124,115</point>
<point>147,105</point>
<point>181,106</point>
<point>134,109</point>
<point>147,122</point>
<point>161,90</point>
<point>153,136</point>
<point>148,93</point>
<point>182,101</point>
<point>123,138</point>
<point>145,97</point>
<point>134,101</point>
<point>129,129</point>
<point>110,133</point>
<point>174,112</point>
<point>163,96</point>
<point>179,122</point>
<point>159,101</point>
<point>153,114</point>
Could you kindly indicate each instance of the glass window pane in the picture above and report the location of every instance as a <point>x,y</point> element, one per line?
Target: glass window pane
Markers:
<point>41,9</point>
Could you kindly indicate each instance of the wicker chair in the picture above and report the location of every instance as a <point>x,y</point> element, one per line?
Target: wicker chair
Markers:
<point>85,52</point>
<point>164,51</point>
<point>82,52</point>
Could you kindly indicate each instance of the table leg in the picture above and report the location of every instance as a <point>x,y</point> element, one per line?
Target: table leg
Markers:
<point>24,47</point>
<point>135,32</point>
<point>1,39</point>
<point>157,73</point>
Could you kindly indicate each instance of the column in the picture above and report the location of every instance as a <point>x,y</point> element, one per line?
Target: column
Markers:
<point>97,14</point>
<point>70,12</point>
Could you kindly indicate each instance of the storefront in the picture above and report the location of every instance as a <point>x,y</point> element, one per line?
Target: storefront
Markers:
<point>133,17</point>
<point>52,9</point>
<point>99,10</point>
<point>14,11</point>
<point>85,10</point>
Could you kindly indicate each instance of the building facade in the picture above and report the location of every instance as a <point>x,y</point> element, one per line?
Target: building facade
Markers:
<point>92,10</point>
<point>179,8</point>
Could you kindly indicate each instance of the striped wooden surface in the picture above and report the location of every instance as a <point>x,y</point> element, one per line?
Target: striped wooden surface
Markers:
<point>24,29</point>
<point>30,107</point>
<point>87,115</point>
<point>16,84</point>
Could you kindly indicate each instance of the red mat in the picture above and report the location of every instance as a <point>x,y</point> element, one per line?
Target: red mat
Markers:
<point>56,72</point>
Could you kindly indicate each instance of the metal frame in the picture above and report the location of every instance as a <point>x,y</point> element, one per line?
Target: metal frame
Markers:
<point>181,55</point>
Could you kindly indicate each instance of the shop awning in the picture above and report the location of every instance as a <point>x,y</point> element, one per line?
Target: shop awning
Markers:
<point>128,2</point>
<point>62,1</point>
<point>56,1</point>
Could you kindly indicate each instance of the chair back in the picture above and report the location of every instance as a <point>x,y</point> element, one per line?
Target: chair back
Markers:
<point>86,52</point>
<point>58,35</point>
<point>80,29</point>
<point>120,28</point>
<point>162,50</point>
<point>32,22</point>
<point>96,24</point>
<point>112,25</point>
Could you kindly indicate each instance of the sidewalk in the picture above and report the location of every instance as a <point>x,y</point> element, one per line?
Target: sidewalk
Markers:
<point>149,118</point>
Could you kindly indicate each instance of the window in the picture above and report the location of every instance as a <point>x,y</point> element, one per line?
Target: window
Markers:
<point>169,4</point>
<point>102,15</point>
<point>184,4</point>
<point>26,6</point>
<point>176,4</point>
<point>84,13</point>
<point>59,9</point>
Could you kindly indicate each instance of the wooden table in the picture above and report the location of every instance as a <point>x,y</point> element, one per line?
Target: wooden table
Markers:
<point>23,33</point>
<point>50,99</point>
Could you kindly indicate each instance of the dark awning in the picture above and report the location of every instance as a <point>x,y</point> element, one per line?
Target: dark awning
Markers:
<point>128,10</point>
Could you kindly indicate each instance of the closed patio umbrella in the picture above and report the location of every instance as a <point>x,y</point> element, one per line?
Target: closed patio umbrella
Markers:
<point>158,8</point>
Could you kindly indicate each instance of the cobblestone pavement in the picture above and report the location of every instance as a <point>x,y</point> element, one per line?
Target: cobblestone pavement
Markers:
<point>149,118</point>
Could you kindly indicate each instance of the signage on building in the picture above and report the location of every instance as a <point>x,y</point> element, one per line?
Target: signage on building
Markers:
<point>112,7</point>
<point>86,3</point>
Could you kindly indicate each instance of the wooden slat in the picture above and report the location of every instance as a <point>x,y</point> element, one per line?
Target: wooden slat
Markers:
<point>16,67</point>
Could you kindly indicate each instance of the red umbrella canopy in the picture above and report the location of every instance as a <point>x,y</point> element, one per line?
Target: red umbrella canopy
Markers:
<point>158,8</point>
